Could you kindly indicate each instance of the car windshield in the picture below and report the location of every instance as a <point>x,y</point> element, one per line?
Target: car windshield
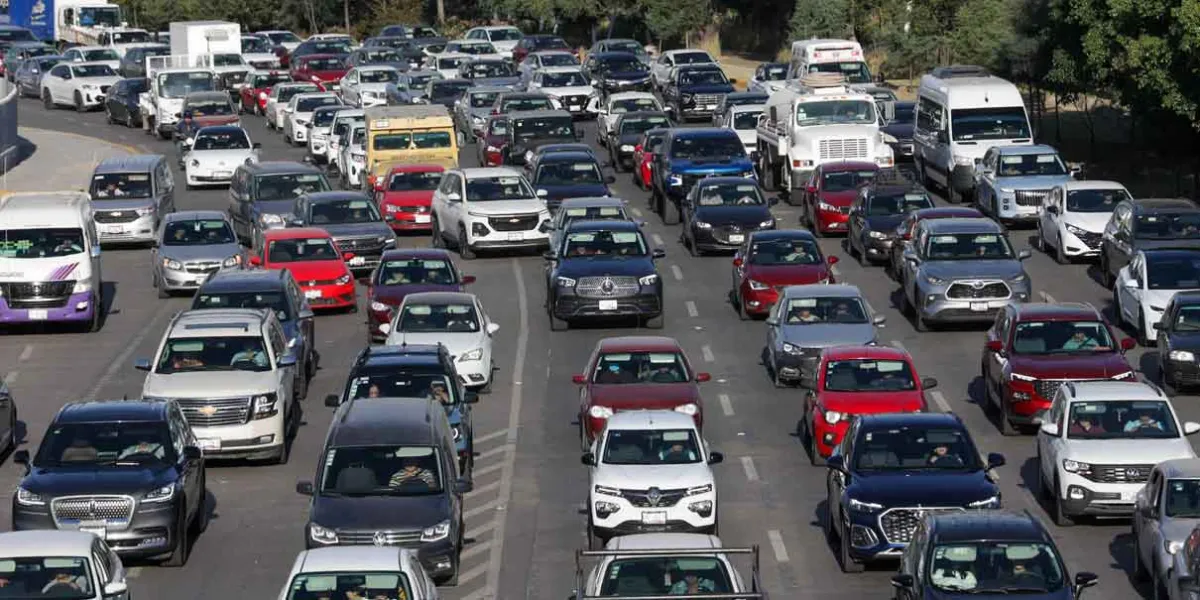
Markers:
<point>289,186</point>
<point>323,64</point>
<point>629,46</point>
<point>898,204</point>
<point>381,471</point>
<point>999,568</point>
<point>968,246</point>
<point>641,367</point>
<point>845,181</point>
<point>391,382</point>
<point>483,99</point>
<point>1022,165</point>
<point>568,79</point>
<point>793,251</point>
<point>1173,273</point>
<point>416,271</point>
<point>41,243</point>
<point>825,310</point>
<point>691,58</point>
<point>330,47</point>
<point>625,105</point>
<point>226,140</point>
<point>654,142</point>
<point>702,77</point>
<point>268,81</point>
<point>418,181</point>
<point>450,62</point>
<point>419,81</point>
<point>505,35</point>
<point>408,140</point>
<point>1188,318</point>
<point>354,584</point>
<point>100,55</point>
<point>666,575</point>
<point>48,63</point>
<point>441,318</point>
<point>1124,419</point>
<point>1059,337</point>
<point>568,173</point>
<point>179,85</point>
<point>525,104</point>
<point>379,55</point>
<point>854,72</point>
<point>729,194</point>
<point>283,37</point>
<point>307,105</point>
<point>227,60</point>
<point>65,577</point>
<point>336,212</point>
<point>545,127</point>
<point>93,71</point>
<point>477,49</point>
<point>1168,226</point>
<point>835,112</point>
<point>868,375</point>
<point>638,125</point>
<point>323,117</point>
<point>130,37</point>
<point>301,250</point>
<point>557,59</point>
<point>490,69</point>
<point>976,124</point>
<point>746,119</point>
<point>286,92</point>
<point>774,73</point>
<point>620,65</point>
<point>708,147</point>
<point>915,448</point>
<point>651,447</point>
<point>275,301</point>
<point>447,90</point>
<point>209,108</point>
<point>119,444</point>
<point>255,45</point>
<point>592,213</point>
<point>199,232</point>
<point>604,244</point>
<point>1095,201</point>
<point>121,186</point>
<point>482,189</point>
<point>199,354</point>
<point>233,78</point>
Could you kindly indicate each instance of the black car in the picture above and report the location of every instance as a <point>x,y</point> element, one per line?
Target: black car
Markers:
<point>447,91</point>
<point>409,371</point>
<point>1179,341</point>
<point>128,470</point>
<point>898,133</point>
<point>695,91</point>
<point>560,175</point>
<point>528,130</point>
<point>514,102</point>
<point>738,99</point>
<point>874,215</point>
<point>121,104</point>
<point>603,269</point>
<point>388,477</point>
<point>613,72</point>
<point>353,220</point>
<point>133,64</point>
<point>959,555</point>
<point>892,467</point>
<point>1146,224</point>
<point>720,212</point>
<point>627,133</point>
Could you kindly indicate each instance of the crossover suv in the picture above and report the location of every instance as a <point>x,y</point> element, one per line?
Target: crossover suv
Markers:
<point>388,570</point>
<point>904,232</point>
<point>1164,522</point>
<point>1011,182</point>
<point>263,195</point>
<point>1145,224</point>
<point>874,215</point>
<point>128,471</point>
<point>455,320</point>
<point>720,212</point>
<point>809,318</point>
<point>683,558</point>
<point>627,132</point>
<point>771,260</point>
<point>557,176</point>
<point>1145,286</point>
<point>1179,341</point>
<point>191,246</point>
<point>1073,217</point>
<point>488,208</point>
<point>603,208</point>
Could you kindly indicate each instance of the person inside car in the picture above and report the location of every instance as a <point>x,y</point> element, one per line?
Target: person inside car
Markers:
<point>674,452</point>
<point>438,392</point>
<point>250,352</point>
<point>412,472</point>
<point>802,315</point>
<point>1085,425</point>
<point>941,457</point>
<point>1080,340</point>
<point>692,584</point>
<point>1143,420</point>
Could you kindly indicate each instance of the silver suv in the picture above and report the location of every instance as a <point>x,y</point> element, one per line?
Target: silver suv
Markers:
<point>961,270</point>
<point>233,375</point>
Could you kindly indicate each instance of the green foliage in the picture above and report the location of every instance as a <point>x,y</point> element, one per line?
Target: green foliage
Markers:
<point>820,19</point>
<point>676,19</point>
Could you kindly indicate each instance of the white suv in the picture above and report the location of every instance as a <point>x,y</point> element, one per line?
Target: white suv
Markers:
<point>1073,217</point>
<point>488,208</point>
<point>650,473</point>
<point>233,375</point>
<point>1099,442</point>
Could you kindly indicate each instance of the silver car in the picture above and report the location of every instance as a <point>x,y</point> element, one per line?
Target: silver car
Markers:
<point>471,112</point>
<point>1164,515</point>
<point>130,197</point>
<point>598,208</point>
<point>960,270</point>
<point>191,245</point>
<point>809,318</point>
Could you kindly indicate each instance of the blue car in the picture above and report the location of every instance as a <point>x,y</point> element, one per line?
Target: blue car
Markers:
<point>689,155</point>
<point>557,176</point>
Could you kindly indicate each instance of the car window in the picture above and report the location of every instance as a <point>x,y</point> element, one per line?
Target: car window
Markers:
<point>868,375</point>
<point>382,471</point>
<point>224,353</point>
<point>988,567</point>
<point>826,309</point>
<point>729,194</point>
<point>915,448</point>
<point>416,317</point>
<point>335,212</point>
<point>1122,419</point>
<point>640,367</point>
<point>416,271</point>
<point>651,447</point>
<point>785,252</point>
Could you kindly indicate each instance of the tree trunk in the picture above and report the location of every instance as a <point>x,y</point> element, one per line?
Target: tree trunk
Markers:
<point>346,14</point>
<point>441,11</point>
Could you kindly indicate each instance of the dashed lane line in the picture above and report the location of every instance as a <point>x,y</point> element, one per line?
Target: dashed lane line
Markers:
<point>26,353</point>
<point>123,358</point>
<point>776,538</point>
<point>482,529</point>
<point>677,272</point>
<point>487,470</point>
<point>491,436</point>
<point>707,352</point>
<point>474,549</point>
<point>490,506</point>
<point>658,241</point>
<point>748,467</point>
<point>693,312</point>
<point>475,573</point>
<point>940,401</point>
<point>726,404</point>
<point>484,489</point>
<point>637,212</point>
<point>493,452</point>
<point>1047,298</point>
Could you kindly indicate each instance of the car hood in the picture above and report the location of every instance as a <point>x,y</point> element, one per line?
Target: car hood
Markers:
<point>871,403</point>
<point>231,158</point>
<point>1158,299</point>
<point>393,295</point>
<point>1176,529</point>
<point>63,268</point>
<point>599,267</point>
<point>339,230</point>
<point>627,75</point>
<point>334,75</point>
<point>974,269</point>
<point>456,343</point>
<point>101,81</point>
<point>1127,452</point>
<point>707,88</point>
<point>409,198</point>
<point>103,206</point>
<point>208,384</point>
<point>380,512</point>
<point>1094,222</point>
<point>629,139</point>
<point>645,396</point>
<point>317,270</point>
<point>67,481</point>
<point>839,199</point>
<point>921,488</point>
<point>507,207</point>
<point>827,335</point>
<point>215,120</point>
<point>646,476</point>
<point>275,207</point>
<point>200,253</point>
<point>1070,366</point>
<point>497,81</point>
<point>572,90</point>
<point>777,275</point>
<point>1185,340</point>
<point>886,223</point>
<point>749,217</point>
<point>900,131</point>
<point>716,166</point>
<point>574,191</point>
<point>1032,182</point>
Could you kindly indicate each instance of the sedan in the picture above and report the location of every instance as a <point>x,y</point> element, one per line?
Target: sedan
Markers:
<point>367,85</point>
<point>623,140</point>
<point>720,212</point>
<point>121,105</point>
<point>325,70</point>
<point>192,245</point>
<point>455,320</point>
<point>810,318</point>
<point>81,85</point>
<point>404,194</point>
<point>772,260</point>
<point>1146,285</point>
<point>299,115</point>
<point>28,76</point>
<point>316,263</point>
<point>407,271</point>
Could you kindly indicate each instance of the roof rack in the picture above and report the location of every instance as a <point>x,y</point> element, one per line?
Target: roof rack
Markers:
<point>957,71</point>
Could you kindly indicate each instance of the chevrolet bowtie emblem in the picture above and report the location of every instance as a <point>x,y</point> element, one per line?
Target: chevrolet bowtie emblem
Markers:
<point>514,220</point>
<point>208,411</point>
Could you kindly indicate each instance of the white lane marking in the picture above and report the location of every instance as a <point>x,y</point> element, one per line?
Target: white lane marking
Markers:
<point>637,212</point>
<point>475,548</point>
<point>482,509</point>
<point>487,470</point>
<point>692,311</point>
<point>493,452</point>
<point>726,405</point>
<point>706,350</point>
<point>491,436</point>
<point>482,529</point>
<point>748,467</point>
<point>940,401</point>
<point>26,353</point>
<point>677,272</point>
<point>133,572</point>
<point>777,546</point>
<point>483,490</point>
<point>658,241</point>
<point>474,573</point>
<point>1047,298</point>
<point>123,358</point>
<point>11,377</point>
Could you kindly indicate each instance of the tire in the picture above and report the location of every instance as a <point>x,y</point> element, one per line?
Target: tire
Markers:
<point>1140,572</point>
<point>48,100</point>
<point>97,315</point>
<point>436,241</point>
<point>739,303</point>
<point>1007,428</point>
<point>1106,276</point>
<point>1060,256</point>
<point>108,118</point>
<point>584,446</point>
<point>1061,518</point>
<point>814,455</point>
<point>846,562</point>
<point>1143,335</point>
<point>179,556</point>
<point>919,322</point>
<point>79,107</point>
<point>450,580</point>
<point>464,247</point>
<point>557,324</point>
<point>200,521</point>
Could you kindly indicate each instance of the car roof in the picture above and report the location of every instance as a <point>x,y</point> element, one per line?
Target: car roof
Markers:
<point>355,558</point>
<point>614,54</point>
<point>650,419</point>
<point>403,253</point>
<point>1103,391</point>
<point>1145,205</point>
<point>203,322</point>
<point>1181,468</point>
<point>105,411</point>
<point>1023,150</point>
<point>295,233</point>
<point>248,280</point>
<point>562,69</point>
<point>206,96</point>
<point>375,421</point>
<point>538,114</point>
<point>1062,311</point>
<point>46,542</point>
<point>700,132</point>
<point>220,129</point>
<point>748,107</point>
<point>1169,253</point>
<point>868,352</point>
<point>726,180</point>
<point>946,212</point>
<point>816,290</point>
<point>566,156</point>
<point>878,421</point>
<point>962,225</point>
<point>640,343</point>
<point>440,298</point>
<point>979,525</point>
<point>1092,184</point>
<point>275,167</point>
<point>848,165</point>
<point>482,172</point>
<point>663,541</point>
<point>603,225</point>
<point>130,163</point>
<point>196,215</point>
<point>334,196</point>
<point>768,235</point>
<point>591,202</point>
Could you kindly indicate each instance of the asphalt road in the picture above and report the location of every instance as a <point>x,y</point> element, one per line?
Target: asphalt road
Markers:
<point>524,517</point>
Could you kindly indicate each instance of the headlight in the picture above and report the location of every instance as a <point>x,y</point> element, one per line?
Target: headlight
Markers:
<point>607,491</point>
<point>162,494</point>
<point>265,406</point>
<point>81,286</point>
<point>302,122</point>
<point>964,161</point>
<point>700,489</point>
<point>269,219</point>
<point>648,280</point>
<point>888,139</point>
<point>171,264</point>
<point>1182,355</point>
<point>757,285</point>
<point>1172,546</point>
<point>1020,377</point>
<point>262,95</point>
<point>383,239</point>
<point>826,207</point>
<point>1125,375</point>
<point>456,432</point>
<point>321,535</point>
<point>833,416</point>
<point>565,282</point>
<point>993,502</point>
<point>675,180</point>
<point>767,224</point>
<point>438,532</point>
<point>931,280</point>
<point>195,162</point>
<point>867,507</point>
<point>28,498</point>
<point>529,156</point>
<point>1018,279</point>
<point>702,225</point>
<point>685,98</point>
<point>476,354</point>
<point>1074,466</point>
<point>145,210</point>
<point>1073,230</point>
<point>292,343</point>
<point>343,280</point>
<point>600,412</point>
<point>357,156</point>
<point>626,148</point>
<point>791,349</point>
<point>380,307</point>
<point>1005,190</point>
<point>689,409</point>
<point>879,235</point>
<point>232,261</point>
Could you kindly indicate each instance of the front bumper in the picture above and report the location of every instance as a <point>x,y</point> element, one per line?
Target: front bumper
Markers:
<point>173,280</point>
<point>1182,373</point>
<point>407,220</point>
<point>1009,211</point>
<point>533,238</point>
<point>92,98</point>
<point>260,438</point>
<point>152,531</point>
<point>299,133</point>
<point>685,516</point>
<point>938,308</point>
<point>568,306</point>
<point>77,308</point>
<point>868,537</point>
<point>138,230</point>
<point>1083,497</point>
<point>826,435</point>
<point>758,302</point>
<point>438,557</point>
<point>716,239</point>
<point>331,296</point>
<point>878,249</point>
<point>1080,245</point>
<point>833,221</point>
<point>208,175</point>
<point>474,373</point>
<point>1025,405</point>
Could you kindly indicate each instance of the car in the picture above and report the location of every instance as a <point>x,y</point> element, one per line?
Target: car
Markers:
<point>1146,223</point>
<point>544,150</point>
<point>617,104</point>
<point>734,99</point>
<point>683,558</point>
<point>893,468</point>
<point>853,381</point>
<point>626,134</point>
<point>830,191</point>
<point>205,109</point>
<point>598,208</point>
<point>644,154</point>
<point>317,264</point>
<point>898,132</point>
<point>485,209</point>
<point>135,463</point>
<point>367,569</point>
<point>353,503</point>
<point>133,63</point>
<point>493,139</point>
<point>254,95</point>
<point>621,45</point>
<point>411,87</point>
<point>489,72</point>
<point>504,37</point>
<point>367,85</point>
<point>1178,342</point>
<point>256,50</point>
<point>78,553</point>
<point>263,195</point>
<point>80,85</point>
<point>189,247</point>
<point>809,318</point>
<point>281,94</point>
<point>743,120</point>
<point>720,212</point>
<point>544,59</point>
<point>511,102</point>
<point>299,113</point>
<point>689,155</point>
<point>212,155</point>
<point>603,269</point>
<point>320,128</point>
<point>28,75</point>
<point>476,48</point>
<point>378,56</point>
<point>131,194</point>
<point>695,91</point>
<point>281,38</point>
<point>1099,443</point>
<point>471,111</point>
<point>405,194</point>
<point>413,32</point>
<point>904,232</point>
<point>1073,215</point>
<point>1163,521</point>
<point>1145,286</point>
<point>880,207</point>
<point>615,72</point>
<point>446,92</point>
<point>354,222</point>
<point>8,423</point>
<point>532,44</point>
<point>770,261</point>
<point>636,373</point>
<point>406,271</point>
<point>447,64</point>
<point>957,545</point>
<point>1033,348</point>
<point>338,48</point>
<point>121,104</point>
<point>15,55</point>
<point>561,175</point>
<point>456,320</point>
<point>768,78</point>
<point>343,122</point>
<point>568,86</point>
<point>652,459</point>
<point>961,270</point>
<point>1011,182</point>
<point>351,165</point>
<point>82,54</point>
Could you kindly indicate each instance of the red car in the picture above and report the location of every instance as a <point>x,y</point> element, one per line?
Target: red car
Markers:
<point>315,262</point>
<point>857,380</point>
<point>636,373</point>
<point>253,97</point>
<point>405,194</point>
<point>407,271</point>
<point>325,70</point>
<point>909,225</point>
<point>643,157</point>
<point>771,260</point>
<point>495,138</point>
<point>1034,348</point>
<point>539,43</point>
<point>825,202</point>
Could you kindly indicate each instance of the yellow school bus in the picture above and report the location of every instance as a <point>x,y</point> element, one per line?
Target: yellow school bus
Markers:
<point>420,133</point>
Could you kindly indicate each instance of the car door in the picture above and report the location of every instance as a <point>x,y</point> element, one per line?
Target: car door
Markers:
<point>1049,214</point>
<point>740,258</point>
<point>835,480</point>
<point>1049,446</point>
<point>995,362</point>
<point>190,470</point>
<point>1145,527</point>
<point>1116,237</point>
<point>1130,282</point>
<point>56,82</point>
<point>8,409</point>
<point>661,68</point>
<point>985,180</point>
<point>286,376</point>
<point>858,220</point>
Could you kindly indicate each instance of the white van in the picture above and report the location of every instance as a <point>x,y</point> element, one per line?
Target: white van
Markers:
<point>843,57</point>
<point>49,259</point>
<point>962,111</point>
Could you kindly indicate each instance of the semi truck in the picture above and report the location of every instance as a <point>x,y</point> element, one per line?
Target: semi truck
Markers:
<point>63,22</point>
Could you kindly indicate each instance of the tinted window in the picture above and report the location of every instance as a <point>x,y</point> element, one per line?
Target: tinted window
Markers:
<point>1168,226</point>
<point>989,123</point>
<point>988,568</point>
<point>785,252</point>
<point>287,186</point>
<point>276,301</point>
<point>1173,273</point>
<point>302,250</point>
<point>92,71</point>
<point>640,367</point>
<point>61,577</point>
<point>897,204</point>
<point>119,186</point>
<point>41,243</point>
<point>1061,337</point>
<point>592,244</point>
<point>225,140</point>
<point>382,470</point>
<point>917,447</point>
<point>117,444</point>
<point>323,64</point>
<point>968,246</point>
<point>805,311</point>
<point>693,147</point>
<point>651,447</point>
<point>334,212</point>
<point>742,194</point>
<point>419,181</point>
<point>362,584</point>
<point>198,233</point>
<point>639,124</point>
<point>232,353</point>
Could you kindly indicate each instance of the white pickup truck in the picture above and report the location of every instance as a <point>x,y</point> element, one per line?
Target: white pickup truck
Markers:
<point>172,78</point>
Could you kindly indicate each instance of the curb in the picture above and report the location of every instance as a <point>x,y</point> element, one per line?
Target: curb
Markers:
<point>125,147</point>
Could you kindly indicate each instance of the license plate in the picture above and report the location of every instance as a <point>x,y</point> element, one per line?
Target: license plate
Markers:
<point>737,238</point>
<point>209,443</point>
<point>222,173</point>
<point>654,517</point>
<point>100,532</point>
<point>116,229</point>
<point>979,306</point>
<point>358,261</point>
<point>608,305</point>
<point>38,314</point>
<point>710,107</point>
<point>422,218</point>
<point>310,294</point>
<point>515,237</point>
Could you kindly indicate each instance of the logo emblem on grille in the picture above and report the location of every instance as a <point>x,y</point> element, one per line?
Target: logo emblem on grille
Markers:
<point>608,286</point>
<point>36,288</point>
<point>977,285</point>
<point>312,283</point>
<point>92,509</point>
<point>207,411</point>
<point>654,496</point>
<point>514,220</point>
<point>115,213</point>
<point>379,539</point>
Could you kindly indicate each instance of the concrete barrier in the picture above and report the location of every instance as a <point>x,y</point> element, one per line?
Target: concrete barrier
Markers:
<point>11,147</point>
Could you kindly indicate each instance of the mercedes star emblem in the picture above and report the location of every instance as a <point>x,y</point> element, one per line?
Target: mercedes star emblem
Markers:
<point>607,286</point>
<point>380,539</point>
<point>654,496</point>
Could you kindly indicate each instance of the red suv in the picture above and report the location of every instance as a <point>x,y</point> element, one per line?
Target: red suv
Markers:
<point>636,373</point>
<point>1034,348</point>
<point>772,260</point>
<point>325,70</point>
<point>495,138</point>
<point>825,203</point>
<point>253,97</point>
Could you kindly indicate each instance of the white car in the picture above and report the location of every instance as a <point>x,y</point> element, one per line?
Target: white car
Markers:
<point>446,64</point>
<point>320,130</point>
<point>544,59</point>
<point>488,208</point>
<point>215,153</point>
<point>1100,441</point>
<point>621,103</point>
<point>1147,284</point>
<point>504,37</point>
<point>661,70</point>
<point>256,50</point>
<point>97,571</point>
<point>743,120</point>
<point>1074,215</point>
<point>281,37</point>
<point>569,86</point>
<point>366,86</point>
<point>328,572</point>
<point>93,54</point>
<point>343,123</point>
<point>650,471</point>
<point>277,101</point>
<point>455,319</point>
<point>82,85</point>
<point>353,157</point>
<point>299,114</point>
<point>678,555</point>
<point>230,61</point>
<point>476,49</point>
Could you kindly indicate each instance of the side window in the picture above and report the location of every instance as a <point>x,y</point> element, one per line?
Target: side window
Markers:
<point>178,434</point>
<point>1058,409</point>
<point>923,121</point>
<point>935,117</point>
<point>918,541</point>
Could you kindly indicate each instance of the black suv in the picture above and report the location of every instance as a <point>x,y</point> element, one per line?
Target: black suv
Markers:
<point>528,130</point>
<point>1146,224</point>
<point>1179,341</point>
<point>974,554</point>
<point>603,269</point>
<point>892,468</point>
<point>721,212</point>
<point>387,477</point>
<point>409,371</point>
<point>129,471</point>
<point>263,195</point>
<point>614,72</point>
<point>874,215</point>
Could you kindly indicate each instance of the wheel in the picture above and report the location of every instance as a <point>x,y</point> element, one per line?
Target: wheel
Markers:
<point>1006,425</point>
<point>1060,256</point>
<point>285,450</point>
<point>47,99</point>
<point>847,562</point>
<point>827,521</point>
<point>79,107</point>
<point>302,388</point>
<point>919,322</point>
<point>557,324</point>
<point>436,234</point>
<point>287,139</point>
<point>1061,518</point>
<point>596,541</point>
<point>584,445</point>
<point>108,118</point>
<point>1143,335</point>
<point>814,455</point>
<point>1039,239</point>
<point>691,246</point>
<point>179,556</point>
<point>451,580</point>
<point>200,521</point>
<point>464,246</point>
<point>129,120</point>
<point>740,304</point>
<point>97,315</point>
<point>1106,277</point>
<point>863,261</point>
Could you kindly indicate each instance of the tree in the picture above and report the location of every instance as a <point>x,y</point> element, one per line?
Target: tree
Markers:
<point>820,19</point>
<point>676,19</point>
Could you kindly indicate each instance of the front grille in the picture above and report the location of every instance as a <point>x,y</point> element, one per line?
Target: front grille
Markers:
<point>412,209</point>
<point>513,223</point>
<point>37,294</point>
<point>1046,388</point>
<point>575,100</point>
<point>115,216</point>
<point>978,290</point>
<point>843,149</point>
<point>1091,240</point>
<point>722,233</point>
<point>359,245</point>
<point>654,497</point>
<point>607,287</point>
<point>1119,473</point>
<point>705,100</point>
<point>898,524</point>
<point>410,537</point>
<point>215,412</point>
<point>1031,197</point>
<point>74,510</point>
<point>202,267</point>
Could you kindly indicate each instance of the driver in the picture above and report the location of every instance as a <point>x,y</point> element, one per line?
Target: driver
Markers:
<point>186,361</point>
<point>675,452</point>
<point>250,352</point>
<point>691,584</point>
<point>112,189</point>
<point>1085,425</point>
<point>412,471</point>
<point>941,457</point>
<point>1144,420</point>
<point>1080,340</point>
<point>142,447</point>
<point>439,392</point>
<point>64,584</point>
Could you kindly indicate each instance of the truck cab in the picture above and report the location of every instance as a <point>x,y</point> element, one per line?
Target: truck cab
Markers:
<point>172,78</point>
<point>422,133</point>
<point>82,21</point>
<point>121,39</point>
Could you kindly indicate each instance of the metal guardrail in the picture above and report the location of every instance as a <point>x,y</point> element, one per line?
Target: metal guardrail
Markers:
<point>10,146</point>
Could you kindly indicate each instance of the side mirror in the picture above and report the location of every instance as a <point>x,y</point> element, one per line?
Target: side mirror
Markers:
<point>1024,254</point>
<point>463,486</point>
<point>192,453</point>
<point>1159,326</point>
<point>737,262</point>
<point>610,179</point>
<point>1052,209</point>
<point>995,346</point>
<point>995,459</point>
<point>578,379</point>
<point>287,360</point>
<point>258,146</point>
<point>471,398</point>
<point>467,279</point>
<point>550,255</point>
<point>541,193</point>
<point>454,197</point>
<point>811,189</point>
<point>304,488</point>
<point>332,400</point>
<point>1084,580</point>
<point>772,321</point>
<point>772,201</point>
<point>21,457</point>
<point>836,462</point>
<point>658,253</point>
<point>929,383</point>
<point>1133,283</point>
<point>255,261</point>
<point>347,256</point>
<point>115,589</point>
<point>142,364</point>
<point>95,252</point>
<point>1190,427</point>
<point>879,319</point>
<point>492,328</point>
<point>588,459</point>
<point>1050,428</point>
<point>715,458</point>
<point>1130,343</point>
<point>703,377</point>
<point>902,581</point>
